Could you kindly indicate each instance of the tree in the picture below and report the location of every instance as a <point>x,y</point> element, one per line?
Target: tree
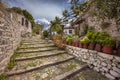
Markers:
<point>56,25</point>
<point>74,2</point>
<point>108,9</point>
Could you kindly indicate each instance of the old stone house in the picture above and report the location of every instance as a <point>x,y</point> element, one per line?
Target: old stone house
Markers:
<point>13,27</point>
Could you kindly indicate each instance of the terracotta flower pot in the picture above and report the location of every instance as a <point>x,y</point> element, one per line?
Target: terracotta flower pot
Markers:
<point>80,45</point>
<point>77,44</point>
<point>64,42</point>
<point>98,47</point>
<point>85,46</point>
<point>73,43</point>
<point>91,46</point>
<point>70,43</point>
<point>107,49</point>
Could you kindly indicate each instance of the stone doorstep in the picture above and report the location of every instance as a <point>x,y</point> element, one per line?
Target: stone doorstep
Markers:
<point>38,67</point>
<point>70,73</point>
<point>36,57</point>
<point>37,47</point>
<point>38,50</point>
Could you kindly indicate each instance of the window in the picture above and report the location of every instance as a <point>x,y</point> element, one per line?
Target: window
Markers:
<point>22,21</point>
<point>26,23</point>
<point>70,31</point>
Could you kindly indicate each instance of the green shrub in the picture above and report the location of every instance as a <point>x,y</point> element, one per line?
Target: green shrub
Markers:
<point>12,62</point>
<point>101,37</point>
<point>69,39</point>
<point>85,40</point>
<point>92,35</point>
<point>3,77</point>
<point>45,33</point>
<point>109,41</point>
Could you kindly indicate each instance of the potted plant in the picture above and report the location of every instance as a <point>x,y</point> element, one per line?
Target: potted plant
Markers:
<point>69,40</point>
<point>75,41</point>
<point>98,46</point>
<point>92,36</point>
<point>100,40</point>
<point>108,45</point>
<point>85,42</point>
<point>64,37</point>
<point>80,44</point>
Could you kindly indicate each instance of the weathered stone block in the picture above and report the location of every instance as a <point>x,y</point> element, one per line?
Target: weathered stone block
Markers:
<point>115,74</point>
<point>106,56</point>
<point>109,66</point>
<point>110,76</point>
<point>105,69</point>
<point>104,64</point>
<point>92,52</point>
<point>84,50</point>
<point>96,69</point>
<point>117,58</point>
<point>116,69</point>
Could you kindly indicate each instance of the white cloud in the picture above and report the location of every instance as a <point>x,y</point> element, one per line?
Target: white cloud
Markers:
<point>40,9</point>
<point>43,20</point>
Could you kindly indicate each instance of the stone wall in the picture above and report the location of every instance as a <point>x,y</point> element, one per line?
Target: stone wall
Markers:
<point>112,30</point>
<point>11,31</point>
<point>108,65</point>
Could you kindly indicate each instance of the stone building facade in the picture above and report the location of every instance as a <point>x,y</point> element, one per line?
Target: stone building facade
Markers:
<point>12,27</point>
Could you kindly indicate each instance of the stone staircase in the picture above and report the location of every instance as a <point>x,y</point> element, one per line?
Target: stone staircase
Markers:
<point>40,60</point>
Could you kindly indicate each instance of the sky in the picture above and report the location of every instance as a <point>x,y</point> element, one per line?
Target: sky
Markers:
<point>41,9</point>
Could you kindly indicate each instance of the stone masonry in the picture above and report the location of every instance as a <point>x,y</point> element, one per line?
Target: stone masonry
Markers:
<point>12,27</point>
<point>108,65</point>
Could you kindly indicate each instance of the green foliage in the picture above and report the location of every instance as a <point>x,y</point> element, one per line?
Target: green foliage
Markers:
<point>85,40</point>
<point>45,33</point>
<point>92,35</point>
<point>109,41</point>
<point>37,28</point>
<point>3,77</point>
<point>65,13</point>
<point>17,10</point>
<point>12,62</point>
<point>69,39</point>
<point>25,13</point>
<point>65,37</point>
<point>100,37</point>
<point>56,25</point>
<point>110,8</point>
<point>105,25</point>
<point>29,17</point>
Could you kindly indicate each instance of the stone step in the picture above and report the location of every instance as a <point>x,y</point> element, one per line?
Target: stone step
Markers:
<point>36,43</point>
<point>34,47</point>
<point>35,62</point>
<point>45,65</point>
<point>70,73</point>
<point>23,55</point>
<point>41,56</point>
<point>38,50</point>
